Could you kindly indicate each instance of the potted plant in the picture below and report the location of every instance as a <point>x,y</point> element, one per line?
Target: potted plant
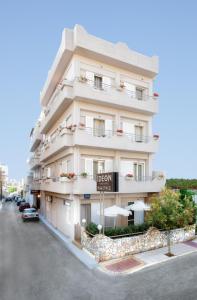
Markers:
<point>73,127</point>
<point>71,176</point>
<point>119,132</point>
<point>155,95</point>
<point>82,78</point>
<point>84,174</point>
<point>129,176</point>
<point>156,136</point>
<point>81,126</point>
<point>122,85</point>
<point>63,177</point>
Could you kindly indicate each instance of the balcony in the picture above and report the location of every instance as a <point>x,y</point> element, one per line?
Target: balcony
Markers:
<point>56,186</point>
<point>35,185</point>
<point>126,186</point>
<point>114,96</point>
<point>59,142</point>
<point>34,162</point>
<point>59,102</point>
<point>114,140</point>
<point>104,95</point>
<point>36,138</point>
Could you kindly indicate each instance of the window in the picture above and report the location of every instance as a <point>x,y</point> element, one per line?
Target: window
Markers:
<point>98,167</point>
<point>98,82</point>
<point>139,93</point>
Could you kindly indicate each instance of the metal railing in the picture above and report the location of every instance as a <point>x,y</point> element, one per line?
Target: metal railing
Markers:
<point>106,87</point>
<point>100,132</point>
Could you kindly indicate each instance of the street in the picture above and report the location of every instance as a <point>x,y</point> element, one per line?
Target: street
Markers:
<point>35,265</point>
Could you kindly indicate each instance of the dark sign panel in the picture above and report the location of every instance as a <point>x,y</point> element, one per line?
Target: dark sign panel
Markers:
<point>86,196</point>
<point>35,191</point>
<point>107,182</point>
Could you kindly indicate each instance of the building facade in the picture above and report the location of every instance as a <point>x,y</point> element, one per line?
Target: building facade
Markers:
<point>98,103</point>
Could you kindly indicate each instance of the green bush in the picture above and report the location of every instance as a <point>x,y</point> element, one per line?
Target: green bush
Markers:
<point>131,229</point>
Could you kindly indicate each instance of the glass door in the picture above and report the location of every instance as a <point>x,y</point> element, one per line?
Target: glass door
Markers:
<point>99,127</point>
<point>138,134</point>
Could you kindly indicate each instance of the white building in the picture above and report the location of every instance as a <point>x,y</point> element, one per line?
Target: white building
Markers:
<point>98,103</point>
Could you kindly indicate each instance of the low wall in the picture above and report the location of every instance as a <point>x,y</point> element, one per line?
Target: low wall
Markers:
<point>105,248</point>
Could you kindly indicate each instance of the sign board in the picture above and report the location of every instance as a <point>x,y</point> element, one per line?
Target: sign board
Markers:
<point>86,196</point>
<point>35,192</point>
<point>107,182</point>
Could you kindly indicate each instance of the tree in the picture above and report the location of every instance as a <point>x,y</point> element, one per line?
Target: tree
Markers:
<point>168,212</point>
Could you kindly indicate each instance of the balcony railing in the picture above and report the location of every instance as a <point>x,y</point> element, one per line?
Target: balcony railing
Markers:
<point>106,87</point>
<point>99,132</point>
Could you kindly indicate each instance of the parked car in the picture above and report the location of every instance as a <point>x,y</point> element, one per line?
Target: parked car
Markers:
<point>19,201</point>
<point>30,214</point>
<point>23,205</point>
<point>7,199</point>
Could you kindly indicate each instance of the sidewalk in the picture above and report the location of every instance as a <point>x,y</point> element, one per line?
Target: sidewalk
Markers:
<point>84,257</point>
<point>133,263</point>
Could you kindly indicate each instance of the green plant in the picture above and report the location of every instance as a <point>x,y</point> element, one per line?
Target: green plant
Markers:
<point>84,174</point>
<point>167,212</point>
<point>92,228</point>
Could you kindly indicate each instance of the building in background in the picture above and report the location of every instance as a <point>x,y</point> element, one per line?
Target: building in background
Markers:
<point>97,103</point>
<point>3,180</point>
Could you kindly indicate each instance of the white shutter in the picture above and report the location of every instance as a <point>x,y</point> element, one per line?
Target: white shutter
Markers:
<point>48,172</point>
<point>106,82</point>
<point>108,165</point>
<point>64,166</point>
<point>128,129</point>
<point>89,122</point>
<point>82,165</point>
<point>126,167</point>
<point>69,166</point>
<point>89,166</point>
<point>108,127</point>
<point>130,89</point>
<point>90,78</point>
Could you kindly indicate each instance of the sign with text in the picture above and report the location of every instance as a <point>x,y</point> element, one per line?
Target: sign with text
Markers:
<point>35,192</point>
<point>107,182</point>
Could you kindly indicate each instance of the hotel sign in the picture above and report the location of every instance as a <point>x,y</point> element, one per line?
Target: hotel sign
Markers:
<point>107,182</point>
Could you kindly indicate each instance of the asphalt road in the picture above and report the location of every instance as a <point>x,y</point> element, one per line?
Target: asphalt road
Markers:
<point>35,265</point>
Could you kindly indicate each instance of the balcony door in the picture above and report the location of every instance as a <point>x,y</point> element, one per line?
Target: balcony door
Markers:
<point>139,171</point>
<point>99,127</point>
<point>138,134</point>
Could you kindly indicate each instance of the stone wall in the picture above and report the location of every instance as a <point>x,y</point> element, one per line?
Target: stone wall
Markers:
<point>105,248</point>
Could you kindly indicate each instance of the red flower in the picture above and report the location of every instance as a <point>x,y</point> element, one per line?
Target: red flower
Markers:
<point>156,95</point>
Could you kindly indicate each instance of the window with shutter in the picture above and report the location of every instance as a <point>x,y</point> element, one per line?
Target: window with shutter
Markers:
<point>90,78</point>
<point>109,165</point>
<point>108,127</point>
<point>130,89</point>
<point>89,166</point>
<point>126,167</point>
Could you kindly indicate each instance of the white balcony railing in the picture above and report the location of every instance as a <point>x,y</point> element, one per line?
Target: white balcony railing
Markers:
<point>87,184</point>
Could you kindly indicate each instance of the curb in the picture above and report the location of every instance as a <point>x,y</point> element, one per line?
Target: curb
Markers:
<point>83,256</point>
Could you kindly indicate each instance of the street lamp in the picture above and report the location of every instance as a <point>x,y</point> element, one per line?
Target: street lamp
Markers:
<point>83,222</point>
<point>99,226</point>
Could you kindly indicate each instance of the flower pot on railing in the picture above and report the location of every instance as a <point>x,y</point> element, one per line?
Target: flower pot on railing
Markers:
<point>83,79</point>
<point>81,126</point>
<point>119,132</point>
<point>84,175</point>
<point>122,85</point>
<point>156,137</point>
<point>67,176</point>
<point>129,176</point>
<point>155,95</point>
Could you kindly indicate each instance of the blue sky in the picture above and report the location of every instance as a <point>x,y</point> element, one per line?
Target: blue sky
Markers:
<point>30,33</point>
